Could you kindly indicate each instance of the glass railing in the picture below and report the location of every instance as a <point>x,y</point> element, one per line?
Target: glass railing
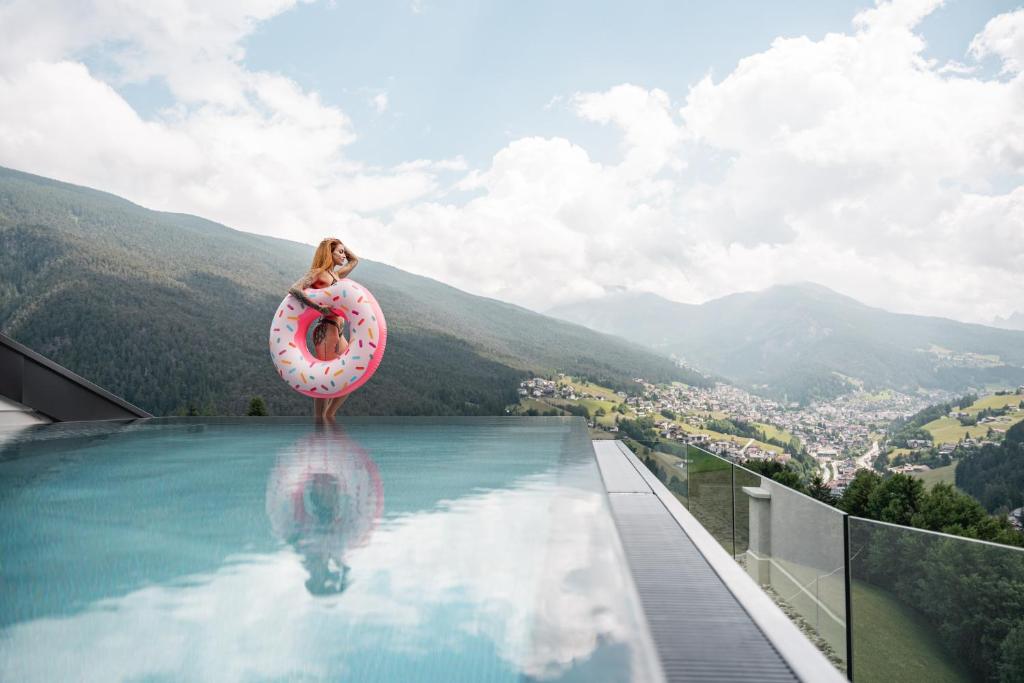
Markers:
<point>905,604</point>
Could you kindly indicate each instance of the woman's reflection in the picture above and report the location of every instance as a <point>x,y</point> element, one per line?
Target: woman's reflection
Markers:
<point>324,497</point>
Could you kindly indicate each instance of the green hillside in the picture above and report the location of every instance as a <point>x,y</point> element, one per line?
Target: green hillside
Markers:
<point>804,342</point>
<point>171,311</point>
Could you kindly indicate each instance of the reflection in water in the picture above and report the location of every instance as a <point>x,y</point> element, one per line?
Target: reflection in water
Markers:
<point>483,571</point>
<point>324,497</point>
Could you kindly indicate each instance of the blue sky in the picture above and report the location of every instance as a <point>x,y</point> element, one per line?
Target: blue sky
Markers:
<point>464,78</point>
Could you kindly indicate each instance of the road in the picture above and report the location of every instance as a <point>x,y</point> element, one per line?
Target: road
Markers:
<point>864,461</point>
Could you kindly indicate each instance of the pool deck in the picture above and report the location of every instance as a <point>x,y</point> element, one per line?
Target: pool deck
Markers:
<point>710,621</point>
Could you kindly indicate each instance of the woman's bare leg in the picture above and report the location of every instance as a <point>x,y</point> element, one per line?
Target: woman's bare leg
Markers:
<point>333,404</point>
<point>325,350</point>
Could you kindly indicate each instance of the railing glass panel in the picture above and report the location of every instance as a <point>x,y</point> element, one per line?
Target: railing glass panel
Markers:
<point>797,554</point>
<point>711,494</point>
<point>928,606</point>
<point>923,606</point>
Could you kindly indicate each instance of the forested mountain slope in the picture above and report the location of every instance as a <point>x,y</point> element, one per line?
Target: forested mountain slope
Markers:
<point>171,311</point>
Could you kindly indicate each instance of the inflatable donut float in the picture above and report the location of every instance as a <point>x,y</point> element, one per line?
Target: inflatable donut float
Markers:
<point>324,498</point>
<point>306,373</point>
<point>327,489</point>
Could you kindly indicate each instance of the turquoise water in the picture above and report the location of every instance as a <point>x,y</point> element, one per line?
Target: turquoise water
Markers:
<point>259,549</point>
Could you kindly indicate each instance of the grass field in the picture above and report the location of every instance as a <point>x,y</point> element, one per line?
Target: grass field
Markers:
<point>891,642</point>
<point>773,432</point>
<point>592,404</point>
<point>540,406</point>
<point>949,429</point>
<point>993,401</point>
<point>595,389</point>
<point>930,478</point>
<point>899,451</point>
<point>718,436</point>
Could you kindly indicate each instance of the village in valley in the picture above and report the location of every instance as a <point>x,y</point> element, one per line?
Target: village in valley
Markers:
<point>842,435</point>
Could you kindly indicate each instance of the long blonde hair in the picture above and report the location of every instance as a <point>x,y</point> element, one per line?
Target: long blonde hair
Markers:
<point>323,257</point>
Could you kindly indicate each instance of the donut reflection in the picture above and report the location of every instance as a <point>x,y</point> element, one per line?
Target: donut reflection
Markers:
<point>324,498</point>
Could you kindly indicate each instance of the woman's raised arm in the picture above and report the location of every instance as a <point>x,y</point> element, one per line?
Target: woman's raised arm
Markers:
<point>353,261</point>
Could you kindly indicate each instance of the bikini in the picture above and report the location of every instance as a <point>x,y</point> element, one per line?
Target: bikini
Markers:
<point>320,331</point>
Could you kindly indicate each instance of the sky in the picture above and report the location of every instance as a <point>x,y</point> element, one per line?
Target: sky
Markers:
<point>549,152</point>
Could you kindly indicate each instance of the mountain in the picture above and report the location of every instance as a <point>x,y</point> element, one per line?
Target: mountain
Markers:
<point>1014,321</point>
<point>806,341</point>
<point>172,311</point>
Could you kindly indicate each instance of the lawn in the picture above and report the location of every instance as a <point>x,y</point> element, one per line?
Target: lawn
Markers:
<point>949,429</point>
<point>592,404</point>
<point>993,401</point>
<point>595,389</point>
<point>892,642</point>
<point>718,436</point>
<point>897,452</point>
<point>773,432</point>
<point>540,406</point>
<point>930,478</point>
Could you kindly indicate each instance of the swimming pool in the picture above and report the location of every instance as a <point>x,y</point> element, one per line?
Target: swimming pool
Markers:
<point>384,549</point>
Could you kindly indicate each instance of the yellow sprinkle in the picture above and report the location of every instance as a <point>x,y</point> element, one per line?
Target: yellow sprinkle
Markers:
<point>370,330</point>
<point>338,372</point>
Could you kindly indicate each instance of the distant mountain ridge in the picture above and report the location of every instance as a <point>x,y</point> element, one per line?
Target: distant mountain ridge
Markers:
<point>1014,321</point>
<point>805,341</point>
<point>171,311</point>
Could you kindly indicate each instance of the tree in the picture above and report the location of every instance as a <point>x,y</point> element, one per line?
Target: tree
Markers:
<point>1011,660</point>
<point>855,498</point>
<point>896,499</point>
<point>819,491</point>
<point>668,414</point>
<point>777,472</point>
<point>257,407</point>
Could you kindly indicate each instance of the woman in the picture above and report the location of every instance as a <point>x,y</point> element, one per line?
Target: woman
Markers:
<point>328,340</point>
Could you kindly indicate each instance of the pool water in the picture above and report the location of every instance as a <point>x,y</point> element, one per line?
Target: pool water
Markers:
<point>413,549</point>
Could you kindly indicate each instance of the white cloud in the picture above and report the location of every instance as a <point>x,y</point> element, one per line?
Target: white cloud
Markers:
<point>380,102</point>
<point>251,149</point>
<point>1003,37</point>
<point>851,160</point>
